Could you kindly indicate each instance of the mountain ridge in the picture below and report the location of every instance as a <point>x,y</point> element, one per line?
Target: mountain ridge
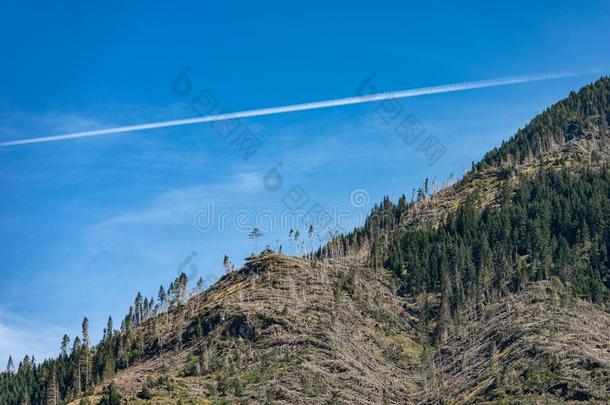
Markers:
<point>491,289</point>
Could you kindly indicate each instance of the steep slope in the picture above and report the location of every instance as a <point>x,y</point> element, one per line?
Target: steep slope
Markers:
<point>284,330</point>
<point>540,344</point>
<point>573,132</point>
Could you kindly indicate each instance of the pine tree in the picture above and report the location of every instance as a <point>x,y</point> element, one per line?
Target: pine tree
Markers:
<point>255,234</point>
<point>76,368</point>
<point>130,319</point>
<point>179,289</point>
<point>310,235</point>
<point>290,238</point>
<point>86,354</point>
<point>76,346</point>
<point>151,307</point>
<point>25,366</point>
<point>85,328</point>
<point>10,367</point>
<point>183,283</point>
<point>227,264</point>
<point>52,389</point>
<point>296,238</point>
<point>171,294</point>
<point>145,309</point>
<point>138,308</point>
<point>65,342</point>
<point>162,296</point>
<point>110,396</point>
<point>200,285</point>
<point>108,332</point>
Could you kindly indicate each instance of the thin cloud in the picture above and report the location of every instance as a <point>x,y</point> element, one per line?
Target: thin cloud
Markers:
<point>19,337</point>
<point>178,205</point>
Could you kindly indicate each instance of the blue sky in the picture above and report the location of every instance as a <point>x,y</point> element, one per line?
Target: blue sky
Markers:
<point>86,224</point>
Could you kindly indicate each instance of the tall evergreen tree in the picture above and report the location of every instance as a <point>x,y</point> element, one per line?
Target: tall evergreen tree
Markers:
<point>65,343</point>
<point>199,286</point>
<point>255,234</point>
<point>85,329</point>
<point>108,332</point>
<point>310,232</point>
<point>10,367</point>
<point>52,388</point>
<point>162,296</point>
<point>86,355</point>
<point>138,308</point>
<point>226,262</point>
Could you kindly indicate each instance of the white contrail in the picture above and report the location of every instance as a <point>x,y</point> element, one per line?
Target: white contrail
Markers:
<point>422,91</point>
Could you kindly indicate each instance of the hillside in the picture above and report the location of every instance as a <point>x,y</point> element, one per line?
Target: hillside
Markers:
<point>283,331</point>
<point>493,289</point>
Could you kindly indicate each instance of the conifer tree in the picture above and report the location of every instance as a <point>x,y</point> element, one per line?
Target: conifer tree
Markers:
<point>227,264</point>
<point>52,389</point>
<point>108,332</point>
<point>255,234</point>
<point>296,239</point>
<point>310,235</point>
<point>171,294</point>
<point>162,296</point>
<point>290,239</point>
<point>10,367</point>
<point>110,396</point>
<point>183,282</point>
<point>76,345</point>
<point>130,319</point>
<point>200,285</point>
<point>151,307</point>
<point>86,355</point>
<point>145,309</point>
<point>138,308</point>
<point>65,342</point>
<point>85,327</point>
<point>77,366</point>
<point>25,366</point>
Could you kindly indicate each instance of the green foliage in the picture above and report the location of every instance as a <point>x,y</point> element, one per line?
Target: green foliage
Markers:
<point>555,225</point>
<point>110,396</point>
<point>192,366</point>
<point>145,394</point>
<point>345,283</point>
<point>560,123</point>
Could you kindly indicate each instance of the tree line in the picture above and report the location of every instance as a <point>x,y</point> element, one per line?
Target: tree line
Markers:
<point>80,365</point>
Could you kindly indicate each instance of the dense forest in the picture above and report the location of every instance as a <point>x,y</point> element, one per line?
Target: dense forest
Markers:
<point>80,367</point>
<point>552,222</point>
<point>568,119</point>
